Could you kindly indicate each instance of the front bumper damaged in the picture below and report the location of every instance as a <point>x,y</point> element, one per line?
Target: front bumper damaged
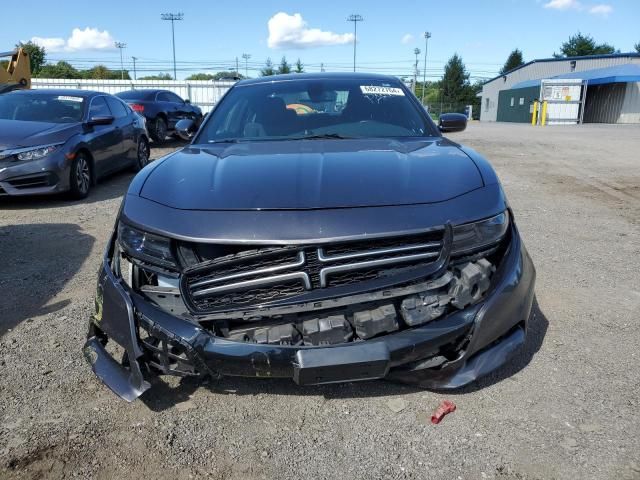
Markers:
<point>478,339</point>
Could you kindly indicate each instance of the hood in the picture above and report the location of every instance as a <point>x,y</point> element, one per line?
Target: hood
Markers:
<point>17,133</point>
<point>312,174</point>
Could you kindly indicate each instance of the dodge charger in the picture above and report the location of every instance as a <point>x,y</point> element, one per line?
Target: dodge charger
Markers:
<point>318,227</point>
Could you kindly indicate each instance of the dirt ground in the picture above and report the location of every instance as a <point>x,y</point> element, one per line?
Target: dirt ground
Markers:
<point>567,407</point>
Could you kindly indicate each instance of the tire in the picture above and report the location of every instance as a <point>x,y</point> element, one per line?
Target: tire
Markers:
<point>142,155</point>
<point>80,176</point>
<point>158,130</point>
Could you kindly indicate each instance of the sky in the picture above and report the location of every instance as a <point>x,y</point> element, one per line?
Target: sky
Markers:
<point>213,33</point>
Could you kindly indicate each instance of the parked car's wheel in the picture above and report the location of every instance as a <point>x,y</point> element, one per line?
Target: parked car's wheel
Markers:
<point>158,130</point>
<point>80,176</point>
<point>142,157</point>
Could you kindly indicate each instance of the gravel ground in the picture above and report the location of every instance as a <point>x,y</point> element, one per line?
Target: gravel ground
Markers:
<point>567,407</point>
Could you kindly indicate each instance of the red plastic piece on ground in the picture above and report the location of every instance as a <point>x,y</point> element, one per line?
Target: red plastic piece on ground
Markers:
<point>445,407</point>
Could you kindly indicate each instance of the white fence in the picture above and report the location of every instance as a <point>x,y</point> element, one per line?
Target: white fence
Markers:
<point>203,93</point>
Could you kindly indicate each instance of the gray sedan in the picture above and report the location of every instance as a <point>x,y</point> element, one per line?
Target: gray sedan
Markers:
<point>65,140</point>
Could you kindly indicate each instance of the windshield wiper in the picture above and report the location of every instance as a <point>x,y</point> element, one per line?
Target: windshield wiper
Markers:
<point>321,136</point>
<point>225,140</point>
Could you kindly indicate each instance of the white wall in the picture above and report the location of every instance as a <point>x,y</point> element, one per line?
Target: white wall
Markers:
<point>203,93</point>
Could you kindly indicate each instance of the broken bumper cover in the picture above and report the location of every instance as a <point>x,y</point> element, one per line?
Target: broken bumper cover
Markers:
<point>485,335</point>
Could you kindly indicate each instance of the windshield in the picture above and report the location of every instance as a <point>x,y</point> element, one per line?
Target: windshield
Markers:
<point>40,107</point>
<point>322,108</point>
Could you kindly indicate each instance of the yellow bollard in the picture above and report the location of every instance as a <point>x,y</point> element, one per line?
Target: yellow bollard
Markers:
<point>534,115</point>
<point>544,113</point>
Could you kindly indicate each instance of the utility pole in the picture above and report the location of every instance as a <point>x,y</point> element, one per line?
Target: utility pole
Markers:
<point>322,67</point>
<point>120,46</point>
<point>173,17</point>
<point>246,57</point>
<point>355,18</point>
<point>135,76</point>
<point>427,36</point>
<point>237,67</point>
<point>416,52</point>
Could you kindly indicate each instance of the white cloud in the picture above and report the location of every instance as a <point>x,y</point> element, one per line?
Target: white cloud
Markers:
<point>90,39</point>
<point>50,44</point>
<point>291,31</point>
<point>563,4</point>
<point>407,38</point>
<point>601,9</point>
<point>87,39</point>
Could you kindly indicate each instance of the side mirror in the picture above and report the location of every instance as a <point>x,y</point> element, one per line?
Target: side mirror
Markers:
<point>185,129</point>
<point>452,122</point>
<point>186,100</point>
<point>106,120</point>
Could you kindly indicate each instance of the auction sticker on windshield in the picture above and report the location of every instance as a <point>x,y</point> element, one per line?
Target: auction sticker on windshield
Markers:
<point>377,90</point>
<point>69,98</point>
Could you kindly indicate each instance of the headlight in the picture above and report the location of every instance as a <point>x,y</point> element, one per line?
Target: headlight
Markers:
<point>146,246</point>
<point>475,236</point>
<point>36,153</point>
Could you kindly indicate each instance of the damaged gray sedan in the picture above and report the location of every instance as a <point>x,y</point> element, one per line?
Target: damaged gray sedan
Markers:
<point>318,227</point>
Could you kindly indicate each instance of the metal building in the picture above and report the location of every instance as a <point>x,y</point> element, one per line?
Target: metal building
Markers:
<point>611,83</point>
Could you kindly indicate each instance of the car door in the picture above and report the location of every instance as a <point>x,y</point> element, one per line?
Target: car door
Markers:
<point>126,123</point>
<point>105,141</point>
<point>170,107</point>
<point>184,109</point>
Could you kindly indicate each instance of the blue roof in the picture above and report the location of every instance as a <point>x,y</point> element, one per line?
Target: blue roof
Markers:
<point>598,76</point>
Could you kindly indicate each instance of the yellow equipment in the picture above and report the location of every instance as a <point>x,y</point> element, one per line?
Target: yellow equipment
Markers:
<point>18,73</point>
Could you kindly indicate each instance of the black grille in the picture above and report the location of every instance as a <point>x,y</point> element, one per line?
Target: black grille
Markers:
<point>247,298</point>
<point>32,181</point>
<point>251,278</point>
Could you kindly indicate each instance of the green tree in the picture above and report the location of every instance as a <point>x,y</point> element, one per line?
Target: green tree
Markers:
<point>637,47</point>
<point>59,70</point>
<point>100,72</point>
<point>228,74</point>
<point>268,69</point>
<point>580,45</point>
<point>514,60</point>
<point>160,76</point>
<point>299,67</point>
<point>37,55</point>
<point>455,81</point>
<point>200,76</point>
<point>284,66</point>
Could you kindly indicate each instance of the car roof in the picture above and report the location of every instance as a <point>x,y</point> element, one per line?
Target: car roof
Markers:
<point>146,90</point>
<point>319,76</point>
<point>73,92</point>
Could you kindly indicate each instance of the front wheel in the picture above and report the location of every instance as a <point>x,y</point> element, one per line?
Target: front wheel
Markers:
<point>80,177</point>
<point>158,130</point>
<point>142,157</point>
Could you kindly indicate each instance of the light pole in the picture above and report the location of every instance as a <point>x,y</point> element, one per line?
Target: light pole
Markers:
<point>427,36</point>
<point>120,46</point>
<point>173,17</point>
<point>246,57</point>
<point>416,52</point>
<point>355,18</point>
<point>135,77</point>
